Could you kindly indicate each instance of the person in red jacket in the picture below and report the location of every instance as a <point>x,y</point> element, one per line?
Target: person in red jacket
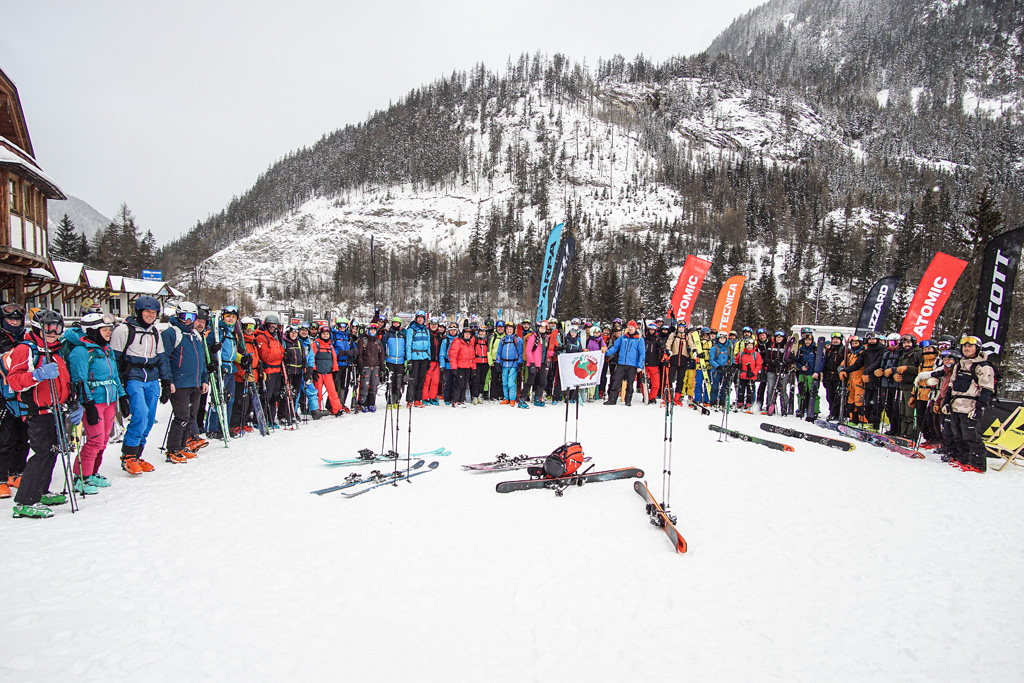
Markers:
<point>35,380</point>
<point>321,364</point>
<point>482,366</point>
<point>271,354</point>
<point>750,366</point>
<point>246,378</point>
<point>463,359</point>
<point>433,378</point>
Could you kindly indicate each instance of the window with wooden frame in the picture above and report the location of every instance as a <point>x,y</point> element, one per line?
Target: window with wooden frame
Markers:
<point>13,195</point>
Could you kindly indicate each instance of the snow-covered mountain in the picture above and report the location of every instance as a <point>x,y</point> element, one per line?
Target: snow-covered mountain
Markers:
<point>85,217</point>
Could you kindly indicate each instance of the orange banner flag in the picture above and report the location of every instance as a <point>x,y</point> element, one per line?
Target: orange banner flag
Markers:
<point>728,301</point>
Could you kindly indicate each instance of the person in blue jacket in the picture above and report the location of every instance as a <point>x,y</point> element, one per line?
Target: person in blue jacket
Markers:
<point>807,365</point>
<point>142,364</point>
<point>308,394</point>
<point>225,356</point>
<point>93,369</point>
<point>718,359</point>
<point>631,352</point>
<point>345,350</point>
<point>509,355</point>
<point>417,344</point>
<point>189,380</point>
<point>450,377</point>
<point>394,359</point>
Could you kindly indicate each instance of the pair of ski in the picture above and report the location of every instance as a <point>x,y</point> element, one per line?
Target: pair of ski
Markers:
<point>751,439</point>
<point>891,443</point>
<point>366,456</point>
<point>813,438</point>
<point>377,476</point>
<point>560,484</point>
<point>505,463</point>
<point>393,479</point>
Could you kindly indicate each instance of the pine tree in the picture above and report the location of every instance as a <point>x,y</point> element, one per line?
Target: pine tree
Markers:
<point>65,244</point>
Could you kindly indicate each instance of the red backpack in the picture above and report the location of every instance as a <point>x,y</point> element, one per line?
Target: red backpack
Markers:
<point>564,460</point>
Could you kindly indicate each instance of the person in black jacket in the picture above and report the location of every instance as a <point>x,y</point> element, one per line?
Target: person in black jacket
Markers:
<point>13,430</point>
<point>835,355</point>
<point>872,357</point>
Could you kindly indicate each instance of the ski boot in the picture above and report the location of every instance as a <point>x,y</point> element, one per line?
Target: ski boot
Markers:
<point>97,480</point>
<point>34,511</point>
<point>80,486</point>
<point>53,499</point>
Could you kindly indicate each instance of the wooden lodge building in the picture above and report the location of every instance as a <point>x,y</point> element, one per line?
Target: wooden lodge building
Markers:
<point>27,275</point>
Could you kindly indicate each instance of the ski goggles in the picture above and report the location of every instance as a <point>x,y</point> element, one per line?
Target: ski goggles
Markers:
<point>229,310</point>
<point>13,310</point>
<point>187,317</point>
<point>970,339</point>
<point>108,320</point>
<point>53,328</point>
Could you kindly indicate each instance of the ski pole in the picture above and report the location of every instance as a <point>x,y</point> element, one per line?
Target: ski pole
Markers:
<point>61,431</point>
<point>408,449</point>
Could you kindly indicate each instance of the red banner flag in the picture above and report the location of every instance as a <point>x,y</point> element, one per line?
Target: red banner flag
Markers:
<point>728,300</point>
<point>691,278</point>
<point>931,295</point>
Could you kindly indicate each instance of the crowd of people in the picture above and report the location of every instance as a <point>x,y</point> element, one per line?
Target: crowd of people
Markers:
<point>226,375</point>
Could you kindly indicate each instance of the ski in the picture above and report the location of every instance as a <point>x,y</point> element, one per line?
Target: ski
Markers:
<point>752,439</point>
<point>823,440</point>
<point>403,476</point>
<point>356,478</point>
<point>504,463</point>
<point>561,483</point>
<point>368,456</point>
<point>895,440</point>
<point>659,517</point>
<point>257,409</point>
<point>879,440</point>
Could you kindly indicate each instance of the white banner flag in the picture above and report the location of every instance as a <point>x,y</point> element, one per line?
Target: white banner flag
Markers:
<point>580,370</point>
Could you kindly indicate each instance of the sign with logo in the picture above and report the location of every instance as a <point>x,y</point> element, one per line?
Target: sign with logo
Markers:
<point>580,370</point>
<point>154,275</point>
<point>995,289</point>
<point>932,294</point>
<point>688,287</point>
<point>728,301</point>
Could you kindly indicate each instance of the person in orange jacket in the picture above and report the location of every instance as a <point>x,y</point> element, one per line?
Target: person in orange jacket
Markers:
<point>271,353</point>
<point>246,378</point>
<point>463,359</point>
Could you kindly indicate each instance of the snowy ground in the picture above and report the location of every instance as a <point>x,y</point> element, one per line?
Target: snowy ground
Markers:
<point>817,565</point>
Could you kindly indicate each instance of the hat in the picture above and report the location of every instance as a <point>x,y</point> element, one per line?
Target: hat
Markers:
<point>631,322</point>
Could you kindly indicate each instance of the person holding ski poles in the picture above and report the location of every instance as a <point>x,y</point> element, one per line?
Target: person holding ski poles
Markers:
<point>36,382</point>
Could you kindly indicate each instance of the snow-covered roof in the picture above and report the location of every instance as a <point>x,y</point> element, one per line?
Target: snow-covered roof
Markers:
<point>68,272</point>
<point>41,273</point>
<point>133,286</point>
<point>12,155</point>
<point>117,282</point>
<point>176,292</point>
<point>96,278</point>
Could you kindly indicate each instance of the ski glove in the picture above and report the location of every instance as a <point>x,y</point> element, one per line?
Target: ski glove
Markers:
<point>165,390</point>
<point>92,416</point>
<point>211,367</point>
<point>46,371</point>
<point>215,348</point>
<point>246,361</point>
<point>125,405</point>
<point>311,375</point>
<point>75,413</point>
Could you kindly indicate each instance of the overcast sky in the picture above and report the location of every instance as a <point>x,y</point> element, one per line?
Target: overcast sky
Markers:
<point>174,107</point>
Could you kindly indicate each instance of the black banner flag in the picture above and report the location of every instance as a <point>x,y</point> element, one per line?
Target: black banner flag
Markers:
<point>995,289</point>
<point>876,305</point>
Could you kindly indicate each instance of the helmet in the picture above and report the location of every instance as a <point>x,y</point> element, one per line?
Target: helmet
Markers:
<point>433,320</point>
<point>748,329</point>
<point>341,320</point>
<point>248,320</point>
<point>680,324</point>
<point>967,339</point>
<point>617,321</point>
<point>304,325</point>
<point>595,331</point>
<point>837,335</point>
<point>396,319</point>
<point>907,337</point>
<point>204,311</point>
<point>421,314</point>
<point>894,337</point>
<point>705,330</point>
<point>147,303</point>
<point>230,309</point>
<point>925,343</point>
<point>575,321</point>
<point>500,324</point>
<point>94,321</point>
<point>526,321</point>
<point>723,335</point>
<point>372,326</point>
<point>666,327</point>
<point>453,326</point>
<point>870,335</point>
<point>952,353</point>
<point>761,330</point>
<point>272,319</point>
<point>47,318</point>
<point>186,312</point>
<point>750,342</point>
<point>946,339</point>
<point>652,325</point>
<point>854,338</point>
<point>804,331</point>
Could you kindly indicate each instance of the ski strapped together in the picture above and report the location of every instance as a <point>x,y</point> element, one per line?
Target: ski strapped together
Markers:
<point>355,479</point>
<point>368,456</point>
<point>814,438</point>
<point>559,484</point>
<point>393,479</point>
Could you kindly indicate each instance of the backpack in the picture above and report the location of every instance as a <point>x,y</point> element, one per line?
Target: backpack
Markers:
<point>12,401</point>
<point>564,460</point>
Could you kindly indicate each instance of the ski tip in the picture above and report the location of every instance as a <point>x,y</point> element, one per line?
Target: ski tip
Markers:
<point>681,545</point>
<point>788,448</point>
<point>639,474</point>
<point>433,465</point>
